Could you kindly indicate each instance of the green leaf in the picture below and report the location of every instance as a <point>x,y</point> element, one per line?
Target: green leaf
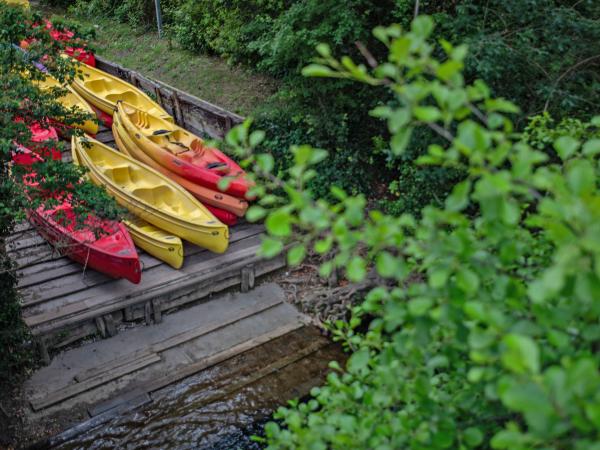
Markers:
<point>448,69</point>
<point>256,137</point>
<point>356,269</point>
<point>271,247</point>
<point>279,223</point>
<point>427,113</point>
<point>265,162</point>
<point>324,245</point>
<point>296,255</point>
<point>387,265</point>
<point>359,360</point>
<point>467,280</point>
<point>255,213</point>
<point>401,140</point>
<point>566,146</point>
<point>397,119</point>
<point>473,437</point>
<point>581,177</point>
<point>419,306</point>
<point>521,354</point>
<point>459,198</point>
<point>591,147</point>
<point>324,50</point>
<point>318,70</point>
<point>422,26</point>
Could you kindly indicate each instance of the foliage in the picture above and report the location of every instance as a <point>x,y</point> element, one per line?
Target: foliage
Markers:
<point>542,54</point>
<point>484,329</point>
<point>22,103</point>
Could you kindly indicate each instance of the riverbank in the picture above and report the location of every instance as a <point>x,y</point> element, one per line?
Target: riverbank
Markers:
<point>207,77</point>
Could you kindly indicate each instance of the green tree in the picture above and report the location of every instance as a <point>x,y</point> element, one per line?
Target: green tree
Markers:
<point>22,103</point>
<point>483,328</point>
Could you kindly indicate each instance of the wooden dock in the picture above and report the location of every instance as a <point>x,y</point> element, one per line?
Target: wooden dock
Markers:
<point>63,303</point>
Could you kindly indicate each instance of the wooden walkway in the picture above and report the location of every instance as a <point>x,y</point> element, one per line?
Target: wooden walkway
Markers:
<point>249,336</point>
<point>62,303</point>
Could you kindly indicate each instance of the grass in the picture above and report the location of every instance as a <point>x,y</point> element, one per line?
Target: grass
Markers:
<point>207,77</point>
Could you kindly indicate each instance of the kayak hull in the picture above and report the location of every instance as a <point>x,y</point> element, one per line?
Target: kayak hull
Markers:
<point>110,250</point>
<point>158,243</point>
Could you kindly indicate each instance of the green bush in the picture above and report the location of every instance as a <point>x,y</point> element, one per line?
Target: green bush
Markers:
<point>481,324</point>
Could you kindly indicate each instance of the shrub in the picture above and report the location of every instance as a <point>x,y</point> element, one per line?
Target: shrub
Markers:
<point>481,329</point>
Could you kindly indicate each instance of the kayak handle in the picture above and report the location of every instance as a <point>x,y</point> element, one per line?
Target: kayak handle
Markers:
<point>215,165</point>
<point>160,132</point>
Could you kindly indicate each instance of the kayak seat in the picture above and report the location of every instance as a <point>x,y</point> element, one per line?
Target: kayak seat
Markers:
<point>125,96</point>
<point>98,86</point>
<point>120,175</point>
<point>159,196</point>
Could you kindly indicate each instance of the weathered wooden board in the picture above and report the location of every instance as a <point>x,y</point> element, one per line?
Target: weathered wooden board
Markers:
<point>192,113</point>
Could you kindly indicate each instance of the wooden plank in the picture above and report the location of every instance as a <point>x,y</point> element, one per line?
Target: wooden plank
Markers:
<point>179,339</point>
<point>70,284</point>
<point>230,386</point>
<point>219,357</point>
<point>115,364</point>
<point>75,389</point>
<point>195,333</point>
<point>115,402</point>
<point>92,423</point>
<point>199,115</point>
<point>121,294</point>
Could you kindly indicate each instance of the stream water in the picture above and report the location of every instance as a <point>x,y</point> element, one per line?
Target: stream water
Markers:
<point>208,411</point>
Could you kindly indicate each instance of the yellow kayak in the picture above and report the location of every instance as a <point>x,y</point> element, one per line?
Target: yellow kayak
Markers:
<point>72,99</point>
<point>24,3</point>
<point>156,242</point>
<point>150,195</point>
<point>104,90</point>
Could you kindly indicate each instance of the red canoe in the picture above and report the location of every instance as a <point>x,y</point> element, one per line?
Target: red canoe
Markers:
<point>100,244</point>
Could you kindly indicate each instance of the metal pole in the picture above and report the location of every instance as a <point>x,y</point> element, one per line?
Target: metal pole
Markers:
<point>158,18</point>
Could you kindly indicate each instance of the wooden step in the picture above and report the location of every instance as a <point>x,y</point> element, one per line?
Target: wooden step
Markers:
<point>90,383</point>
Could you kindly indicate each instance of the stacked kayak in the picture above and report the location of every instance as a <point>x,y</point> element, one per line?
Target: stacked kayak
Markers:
<point>103,91</point>
<point>77,50</point>
<point>100,244</point>
<point>225,207</point>
<point>72,100</point>
<point>43,139</point>
<point>150,195</point>
<point>24,3</point>
<point>156,242</point>
<point>180,151</point>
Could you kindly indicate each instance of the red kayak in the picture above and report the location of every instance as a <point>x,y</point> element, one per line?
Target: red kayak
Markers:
<point>39,135</point>
<point>78,52</point>
<point>100,244</point>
